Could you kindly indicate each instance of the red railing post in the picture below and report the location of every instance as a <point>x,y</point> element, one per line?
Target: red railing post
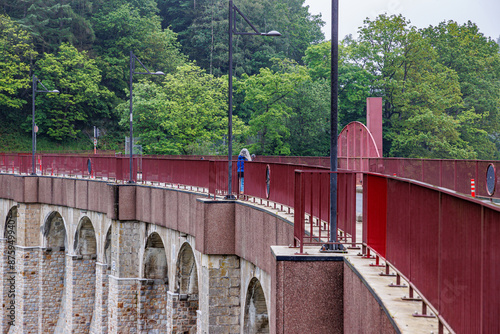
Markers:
<point>299,205</point>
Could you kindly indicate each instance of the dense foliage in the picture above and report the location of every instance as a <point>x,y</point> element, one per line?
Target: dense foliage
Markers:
<point>440,85</point>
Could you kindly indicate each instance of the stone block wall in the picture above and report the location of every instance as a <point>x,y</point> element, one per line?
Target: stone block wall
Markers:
<point>27,290</point>
<point>152,306</point>
<point>7,285</point>
<point>182,313</point>
<point>122,305</point>
<point>219,307</point>
<point>52,270</point>
<point>99,323</point>
<point>80,292</point>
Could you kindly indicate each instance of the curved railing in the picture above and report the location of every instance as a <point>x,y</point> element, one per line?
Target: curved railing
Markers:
<point>442,242</point>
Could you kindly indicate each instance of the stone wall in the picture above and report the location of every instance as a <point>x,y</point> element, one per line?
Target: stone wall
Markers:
<point>27,290</point>
<point>122,305</point>
<point>51,281</point>
<point>220,294</point>
<point>99,323</point>
<point>152,306</point>
<point>80,286</point>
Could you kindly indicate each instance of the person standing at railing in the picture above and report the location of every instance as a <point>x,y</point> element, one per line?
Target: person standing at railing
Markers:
<point>242,157</point>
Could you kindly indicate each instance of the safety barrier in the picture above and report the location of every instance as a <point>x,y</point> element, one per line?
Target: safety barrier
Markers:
<point>312,207</point>
<point>443,243</point>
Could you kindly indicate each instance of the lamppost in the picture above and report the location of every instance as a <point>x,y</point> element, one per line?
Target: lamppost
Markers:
<point>233,10</point>
<point>33,133</point>
<point>133,58</point>
<point>334,125</point>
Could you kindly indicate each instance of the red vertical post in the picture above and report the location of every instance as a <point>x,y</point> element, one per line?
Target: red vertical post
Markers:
<point>472,187</point>
<point>374,120</point>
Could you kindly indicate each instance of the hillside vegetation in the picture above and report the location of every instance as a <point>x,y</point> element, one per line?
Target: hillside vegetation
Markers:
<point>440,85</point>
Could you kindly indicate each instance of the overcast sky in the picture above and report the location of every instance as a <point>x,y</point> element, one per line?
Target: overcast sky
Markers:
<point>422,13</point>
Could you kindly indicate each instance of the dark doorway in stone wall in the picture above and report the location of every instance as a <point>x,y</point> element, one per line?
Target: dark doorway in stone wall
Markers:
<point>152,302</point>
<point>9,271</point>
<point>53,273</point>
<point>185,300</point>
<point>256,317</point>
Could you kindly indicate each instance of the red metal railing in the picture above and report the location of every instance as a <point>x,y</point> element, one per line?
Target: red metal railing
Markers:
<point>444,244</point>
<point>450,174</point>
<point>312,207</point>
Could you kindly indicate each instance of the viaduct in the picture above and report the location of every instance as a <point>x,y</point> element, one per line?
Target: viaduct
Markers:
<point>84,252</point>
<point>87,256</point>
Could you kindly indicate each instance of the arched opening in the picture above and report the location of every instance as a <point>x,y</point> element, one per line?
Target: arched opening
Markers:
<point>186,285</point>
<point>9,271</point>
<point>81,284</point>
<point>256,317</point>
<point>153,290</point>
<point>99,322</point>
<point>85,241</point>
<point>52,273</point>
<point>107,249</point>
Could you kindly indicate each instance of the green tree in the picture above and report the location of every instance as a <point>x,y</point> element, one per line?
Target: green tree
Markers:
<point>355,83</point>
<point>82,97</point>
<point>414,86</point>
<point>16,54</point>
<point>122,29</point>
<point>184,114</point>
<point>266,95</point>
<point>476,60</point>
<point>309,122</point>
<point>203,32</point>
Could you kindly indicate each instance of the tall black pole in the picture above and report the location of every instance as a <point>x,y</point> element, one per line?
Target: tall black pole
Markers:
<point>131,158</point>
<point>334,123</point>
<point>33,143</point>
<point>230,102</point>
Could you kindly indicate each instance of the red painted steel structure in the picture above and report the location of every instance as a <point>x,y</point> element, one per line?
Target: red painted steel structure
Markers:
<point>443,243</point>
<point>356,142</point>
<point>312,207</point>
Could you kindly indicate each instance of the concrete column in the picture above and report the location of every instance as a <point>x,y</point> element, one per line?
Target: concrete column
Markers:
<point>123,280</point>
<point>27,290</point>
<point>220,294</point>
<point>99,323</point>
<point>51,282</point>
<point>80,292</point>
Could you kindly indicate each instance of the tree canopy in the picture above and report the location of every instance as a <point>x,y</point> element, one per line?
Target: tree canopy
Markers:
<point>440,85</point>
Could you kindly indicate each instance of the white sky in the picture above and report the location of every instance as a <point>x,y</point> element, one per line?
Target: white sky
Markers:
<point>421,13</point>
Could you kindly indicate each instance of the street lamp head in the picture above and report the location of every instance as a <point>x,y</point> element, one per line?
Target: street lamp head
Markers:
<point>54,91</point>
<point>159,73</point>
<point>272,33</point>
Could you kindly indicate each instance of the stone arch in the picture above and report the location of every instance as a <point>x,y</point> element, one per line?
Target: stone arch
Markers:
<point>153,288</point>
<point>185,302</point>
<point>54,231</point>
<point>8,270</point>
<point>256,317</point>
<point>186,280</point>
<point>155,258</point>
<point>53,273</point>
<point>85,239</point>
<point>107,249</point>
<point>99,322</point>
